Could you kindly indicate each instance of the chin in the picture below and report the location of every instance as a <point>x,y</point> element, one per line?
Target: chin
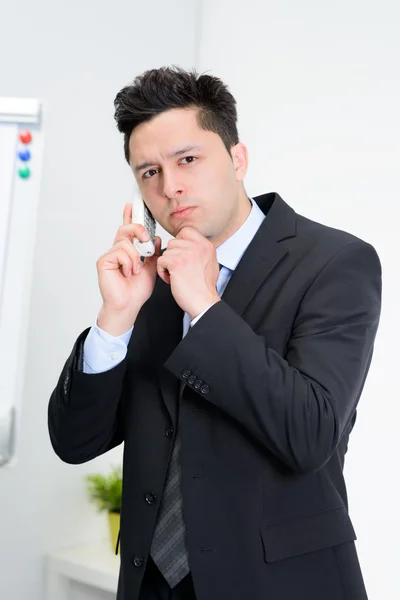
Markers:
<point>180,226</point>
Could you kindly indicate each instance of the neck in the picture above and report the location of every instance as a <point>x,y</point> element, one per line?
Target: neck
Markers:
<point>244,209</point>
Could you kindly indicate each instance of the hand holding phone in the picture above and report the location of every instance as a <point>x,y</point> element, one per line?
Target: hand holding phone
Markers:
<point>142,216</point>
<point>126,282</point>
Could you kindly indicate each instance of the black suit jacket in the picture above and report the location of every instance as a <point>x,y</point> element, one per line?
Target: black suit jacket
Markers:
<point>273,376</point>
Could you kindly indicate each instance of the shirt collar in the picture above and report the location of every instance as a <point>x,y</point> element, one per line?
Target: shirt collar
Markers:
<point>231,251</point>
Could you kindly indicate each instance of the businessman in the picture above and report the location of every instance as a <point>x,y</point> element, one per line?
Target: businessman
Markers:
<point>230,364</point>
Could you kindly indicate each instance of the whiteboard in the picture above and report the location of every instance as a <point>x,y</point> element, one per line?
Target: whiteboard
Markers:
<point>21,151</point>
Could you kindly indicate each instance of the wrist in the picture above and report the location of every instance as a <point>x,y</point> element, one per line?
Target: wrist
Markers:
<point>116,322</point>
<point>202,306</point>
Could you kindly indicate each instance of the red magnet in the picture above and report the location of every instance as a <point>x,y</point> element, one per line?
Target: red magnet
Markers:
<point>25,137</point>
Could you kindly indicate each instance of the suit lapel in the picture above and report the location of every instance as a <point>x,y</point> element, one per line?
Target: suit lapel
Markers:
<point>166,326</point>
<point>263,253</point>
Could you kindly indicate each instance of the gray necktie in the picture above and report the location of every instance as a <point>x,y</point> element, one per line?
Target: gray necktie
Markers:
<point>168,548</point>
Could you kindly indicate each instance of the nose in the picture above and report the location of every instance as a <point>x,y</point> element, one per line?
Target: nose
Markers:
<point>172,187</point>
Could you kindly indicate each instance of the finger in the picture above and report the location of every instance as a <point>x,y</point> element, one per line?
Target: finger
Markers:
<point>175,243</point>
<point>162,271</point>
<point>174,258</point>
<point>171,252</point>
<point>130,231</point>
<point>125,262</point>
<point>127,216</point>
<point>164,275</point>
<point>117,259</point>
<point>189,233</point>
<point>131,251</point>
<point>158,243</point>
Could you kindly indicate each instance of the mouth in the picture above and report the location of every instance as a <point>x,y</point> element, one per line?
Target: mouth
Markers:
<point>182,212</point>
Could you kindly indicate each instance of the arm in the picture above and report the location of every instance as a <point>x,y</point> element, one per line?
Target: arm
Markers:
<point>297,406</point>
<point>84,409</point>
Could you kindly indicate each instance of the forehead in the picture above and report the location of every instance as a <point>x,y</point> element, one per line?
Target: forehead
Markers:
<point>167,133</point>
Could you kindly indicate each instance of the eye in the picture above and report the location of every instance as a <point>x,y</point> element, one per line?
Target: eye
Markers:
<point>189,159</point>
<point>150,173</point>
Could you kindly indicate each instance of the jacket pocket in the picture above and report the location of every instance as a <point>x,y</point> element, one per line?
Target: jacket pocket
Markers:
<point>300,535</point>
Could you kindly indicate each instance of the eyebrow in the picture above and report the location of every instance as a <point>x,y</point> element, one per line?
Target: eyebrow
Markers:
<point>184,150</point>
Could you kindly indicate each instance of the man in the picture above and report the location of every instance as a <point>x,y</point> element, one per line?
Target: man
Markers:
<point>230,365</point>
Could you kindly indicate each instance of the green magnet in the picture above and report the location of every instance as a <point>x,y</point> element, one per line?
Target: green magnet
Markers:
<point>24,172</point>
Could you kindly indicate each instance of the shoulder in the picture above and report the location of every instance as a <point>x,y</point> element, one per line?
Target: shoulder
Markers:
<point>324,242</point>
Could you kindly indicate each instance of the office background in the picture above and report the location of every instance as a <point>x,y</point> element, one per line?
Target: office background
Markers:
<point>318,91</point>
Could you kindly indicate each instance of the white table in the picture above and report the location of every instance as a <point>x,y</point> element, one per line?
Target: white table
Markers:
<point>94,565</point>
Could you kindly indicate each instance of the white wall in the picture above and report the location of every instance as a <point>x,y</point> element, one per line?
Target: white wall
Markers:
<point>74,56</point>
<point>318,90</point>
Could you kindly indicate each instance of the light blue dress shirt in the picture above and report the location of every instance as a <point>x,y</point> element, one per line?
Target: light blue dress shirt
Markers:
<point>102,351</point>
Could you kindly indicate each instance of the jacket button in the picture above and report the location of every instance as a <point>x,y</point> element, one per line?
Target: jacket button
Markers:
<point>186,373</point>
<point>138,561</point>
<point>191,379</point>
<point>169,431</point>
<point>150,498</point>
<point>204,389</point>
<point>198,384</point>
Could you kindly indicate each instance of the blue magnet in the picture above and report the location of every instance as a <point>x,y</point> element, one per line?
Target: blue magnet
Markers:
<point>24,155</point>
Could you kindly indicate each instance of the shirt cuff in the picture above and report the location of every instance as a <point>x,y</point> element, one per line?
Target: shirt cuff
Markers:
<point>102,351</point>
<point>199,316</point>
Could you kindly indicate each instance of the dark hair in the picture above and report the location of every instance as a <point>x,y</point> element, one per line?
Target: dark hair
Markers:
<point>159,90</point>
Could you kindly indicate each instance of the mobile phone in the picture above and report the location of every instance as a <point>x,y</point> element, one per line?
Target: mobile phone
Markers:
<point>142,215</point>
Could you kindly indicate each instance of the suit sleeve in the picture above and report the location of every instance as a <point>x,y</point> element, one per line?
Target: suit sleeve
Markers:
<point>84,412</point>
<point>300,405</point>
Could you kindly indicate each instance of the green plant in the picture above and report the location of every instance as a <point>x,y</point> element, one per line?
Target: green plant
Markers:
<point>106,490</point>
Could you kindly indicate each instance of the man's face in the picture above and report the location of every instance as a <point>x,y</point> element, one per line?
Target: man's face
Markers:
<point>179,165</point>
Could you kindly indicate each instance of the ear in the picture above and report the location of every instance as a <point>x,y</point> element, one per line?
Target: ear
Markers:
<point>240,160</point>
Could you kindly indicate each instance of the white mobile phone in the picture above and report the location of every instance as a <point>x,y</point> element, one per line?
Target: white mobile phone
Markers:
<point>142,215</point>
